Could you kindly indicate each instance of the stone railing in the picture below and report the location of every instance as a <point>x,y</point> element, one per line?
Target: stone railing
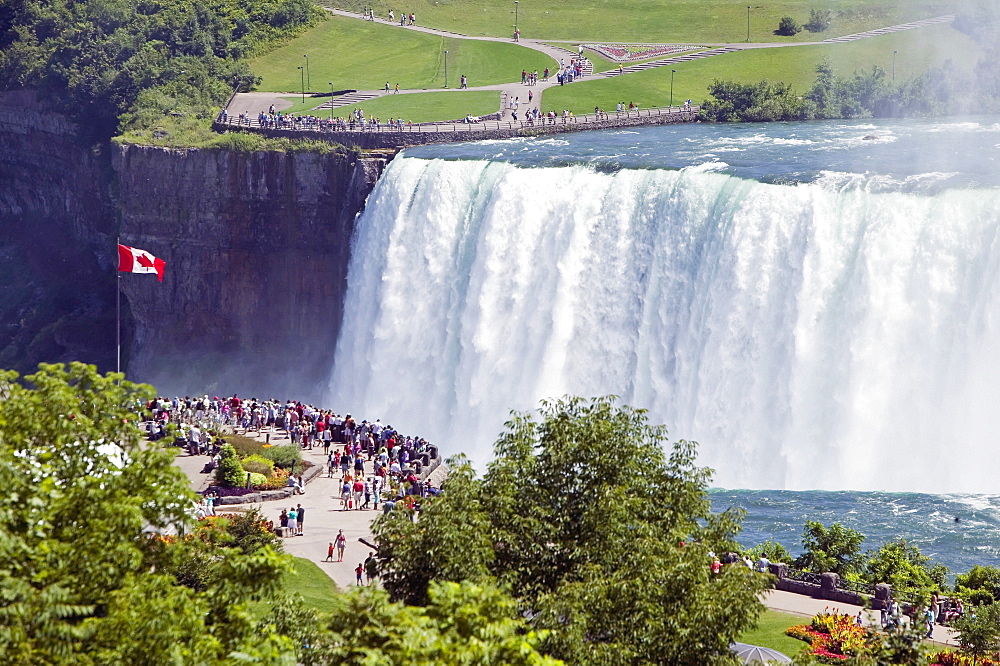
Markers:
<point>398,136</point>
<point>829,586</point>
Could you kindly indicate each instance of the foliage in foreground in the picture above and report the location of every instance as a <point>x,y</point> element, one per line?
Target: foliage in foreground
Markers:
<point>140,61</point>
<point>599,527</point>
<point>82,579</point>
<point>836,639</point>
<point>461,624</point>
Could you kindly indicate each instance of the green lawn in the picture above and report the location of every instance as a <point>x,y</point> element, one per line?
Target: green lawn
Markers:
<point>770,632</point>
<point>315,586</point>
<point>794,65</point>
<point>355,54</point>
<point>426,107</point>
<point>653,21</point>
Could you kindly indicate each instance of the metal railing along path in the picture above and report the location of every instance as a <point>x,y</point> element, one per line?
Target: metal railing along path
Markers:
<point>321,125</point>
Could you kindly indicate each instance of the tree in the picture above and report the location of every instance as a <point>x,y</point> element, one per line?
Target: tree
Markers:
<point>83,579</point>
<point>788,27</point>
<point>775,552</point>
<point>819,20</point>
<point>835,548</point>
<point>602,530</point>
<point>979,632</point>
<point>461,624</point>
<point>450,542</point>
<point>904,567</point>
<point>981,585</point>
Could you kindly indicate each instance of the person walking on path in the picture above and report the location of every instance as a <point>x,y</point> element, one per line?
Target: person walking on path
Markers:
<point>329,553</point>
<point>341,542</point>
<point>465,82</point>
<point>396,92</point>
<point>358,571</point>
<point>386,87</point>
<point>371,568</point>
<point>301,517</point>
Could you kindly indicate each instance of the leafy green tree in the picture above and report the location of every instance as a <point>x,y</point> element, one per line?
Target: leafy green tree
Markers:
<point>450,542</point>
<point>904,567</point>
<point>602,529</point>
<point>819,20</point>
<point>978,633</point>
<point>755,102</point>
<point>775,552</point>
<point>82,580</point>
<point>835,548</point>
<point>462,623</point>
<point>788,27</point>
<point>980,585</point>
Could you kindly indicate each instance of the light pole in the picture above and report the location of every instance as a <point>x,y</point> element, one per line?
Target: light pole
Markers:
<point>445,69</point>
<point>331,100</point>
<point>302,81</point>
<point>308,82</point>
<point>894,65</point>
<point>672,72</point>
<point>515,15</point>
<point>748,24</point>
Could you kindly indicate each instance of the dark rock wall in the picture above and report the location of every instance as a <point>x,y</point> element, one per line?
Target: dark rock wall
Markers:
<point>256,246</point>
<point>57,288</point>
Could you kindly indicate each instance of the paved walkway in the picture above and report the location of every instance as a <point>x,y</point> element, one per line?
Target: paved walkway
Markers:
<point>798,604</point>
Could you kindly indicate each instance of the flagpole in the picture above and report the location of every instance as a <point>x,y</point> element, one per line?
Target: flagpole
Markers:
<point>118,313</point>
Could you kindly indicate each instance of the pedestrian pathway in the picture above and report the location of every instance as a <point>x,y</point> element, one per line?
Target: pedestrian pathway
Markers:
<point>687,57</point>
<point>948,18</point>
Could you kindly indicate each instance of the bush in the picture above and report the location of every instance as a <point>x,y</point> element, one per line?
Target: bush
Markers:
<point>245,446</point>
<point>819,20</point>
<point>229,472</point>
<point>250,532</point>
<point>257,480</point>
<point>775,552</point>
<point>788,27</point>
<point>287,457</point>
<point>258,464</point>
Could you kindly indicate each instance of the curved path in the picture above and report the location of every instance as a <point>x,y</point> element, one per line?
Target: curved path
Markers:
<point>253,103</point>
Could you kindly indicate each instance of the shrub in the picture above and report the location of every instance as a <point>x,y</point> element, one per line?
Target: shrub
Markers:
<point>819,20</point>
<point>250,532</point>
<point>286,456</point>
<point>775,552</point>
<point>229,472</point>
<point>258,464</point>
<point>279,479</point>
<point>245,446</point>
<point>788,27</point>
<point>257,480</point>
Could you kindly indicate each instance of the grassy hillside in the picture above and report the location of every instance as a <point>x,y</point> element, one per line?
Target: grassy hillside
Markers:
<point>357,54</point>
<point>650,20</point>
<point>793,65</point>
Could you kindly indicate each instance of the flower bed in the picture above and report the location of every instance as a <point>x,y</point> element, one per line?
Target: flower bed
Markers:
<point>633,52</point>
<point>959,659</point>
<point>832,637</point>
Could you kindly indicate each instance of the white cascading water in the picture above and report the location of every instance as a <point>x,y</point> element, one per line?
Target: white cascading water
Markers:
<point>808,336</point>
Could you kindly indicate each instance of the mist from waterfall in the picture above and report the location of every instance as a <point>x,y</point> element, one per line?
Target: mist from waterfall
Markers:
<point>830,334</point>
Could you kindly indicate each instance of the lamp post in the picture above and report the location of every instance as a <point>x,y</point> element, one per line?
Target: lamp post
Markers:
<point>748,24</point>
<point>515,15</point>
<point>302,81</point>
<point>672,72</point>
<point>894,66</point>
<point>308,82</point>
<point>446,69</point>
<point>331,100</point>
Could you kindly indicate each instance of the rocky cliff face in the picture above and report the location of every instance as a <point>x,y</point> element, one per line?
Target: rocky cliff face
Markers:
<point>256,246</point>
<point>57,286</point>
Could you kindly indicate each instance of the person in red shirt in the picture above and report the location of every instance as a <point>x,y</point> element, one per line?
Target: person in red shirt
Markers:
<point>358,572</point>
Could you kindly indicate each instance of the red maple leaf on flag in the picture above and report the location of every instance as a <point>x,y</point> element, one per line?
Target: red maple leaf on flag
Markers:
<point>144,261</point>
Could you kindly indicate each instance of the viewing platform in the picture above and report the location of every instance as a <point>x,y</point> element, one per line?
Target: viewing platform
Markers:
<point>385,135</point>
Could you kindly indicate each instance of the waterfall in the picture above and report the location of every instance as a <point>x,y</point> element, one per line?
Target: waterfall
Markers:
<point>808,336</point>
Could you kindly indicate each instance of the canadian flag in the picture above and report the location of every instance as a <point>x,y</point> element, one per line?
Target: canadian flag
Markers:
<point>133,260</point>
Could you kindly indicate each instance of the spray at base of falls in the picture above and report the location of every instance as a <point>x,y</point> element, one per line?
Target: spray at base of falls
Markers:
<point>808,336</point>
